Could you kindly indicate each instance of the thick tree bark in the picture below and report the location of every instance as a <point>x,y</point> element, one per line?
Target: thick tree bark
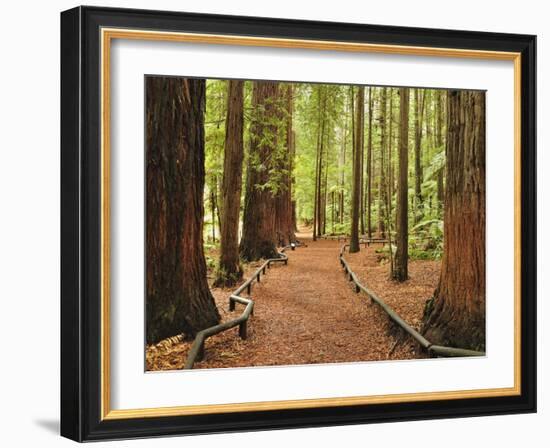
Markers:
<point>356,191</point>
<point>230,270</point>
<point>178,297</point>
<point>400,272</point>
<point>456,315</point>
<point>284,225</point>
<point>258,239</point>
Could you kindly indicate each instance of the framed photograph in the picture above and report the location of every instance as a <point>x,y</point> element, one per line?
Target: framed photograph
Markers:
<point>273,223</point>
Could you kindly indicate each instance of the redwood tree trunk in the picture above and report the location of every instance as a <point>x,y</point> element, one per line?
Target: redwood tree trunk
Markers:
<point>419,101</point>
<point>230,270</point>
<point>284,225</point>
<point>258,239</point>
<point>325,191</point>
<point>318,161</point>
<point>319,175</point>
<point>389,181</point>
<point>439,144</point>
<point>369,168</point>
<point>294,218</point>
<point>178,297</point>
<point>341,170</point>
<point>356,192</point>
<point>362,186</point>
<point>456,316</point>
<point>381,178</point>
<point>401,272</point>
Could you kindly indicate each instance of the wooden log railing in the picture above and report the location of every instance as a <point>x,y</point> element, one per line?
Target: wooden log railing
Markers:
<point>373,240</point>
<point>365,240</point>
<point>340,237</point>
<point>432,349</point>
<point>196,352</point>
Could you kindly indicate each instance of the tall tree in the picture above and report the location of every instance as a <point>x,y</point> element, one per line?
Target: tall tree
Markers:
<point>178,297</point>
<point>389,168</point>
<point>362,183</point>
<point>325,193</point>
<point>213,206</point>
<point>357,153</point>
<point>341,167</point>
<point>317,214</point>
<point>230,270</point>
<point>284,224</point>
<point>381,177</point>
<point>400,271</point>
<point>456,315</point>
<point>369,166</point>
<point>439,144</point>
<point>258,239</point>
<point>419,102</point>
<point>294,218</point>
<point>389,180</point>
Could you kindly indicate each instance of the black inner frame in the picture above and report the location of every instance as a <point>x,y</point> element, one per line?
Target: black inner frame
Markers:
<point>81,223</point>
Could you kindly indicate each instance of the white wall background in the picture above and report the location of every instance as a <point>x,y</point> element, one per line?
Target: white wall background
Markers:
<point>29,224</point>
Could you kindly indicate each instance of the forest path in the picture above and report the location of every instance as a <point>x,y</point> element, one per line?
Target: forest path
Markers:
<point>305,313</point>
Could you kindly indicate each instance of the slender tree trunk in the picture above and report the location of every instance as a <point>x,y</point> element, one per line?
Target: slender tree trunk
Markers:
<point>369,167</point>
<point>320,171</point>
<point>332,209</point>
<point>294,217</point>
<point>258,240</point>
<point>439,144</point>
<point>315,200</point>
<point>178,297</point>
<point>356,193</point>
<point>419,101</point>
<point>319,163</point>
<point>293,183</point>
<point>456,316</point>
<point>362,185</point>
<point>389,193</point>
<point>213,210</point>
<point>325,194</point>
<point>381,179</point>
<point>218,210</point>
<point>291,142</point>
<point>342,164</point>
<point>389,180</point>
<point>230,270</point>
<point>400,272</point>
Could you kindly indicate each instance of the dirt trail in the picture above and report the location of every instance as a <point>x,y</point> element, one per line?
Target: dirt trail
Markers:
<point>305,313</point>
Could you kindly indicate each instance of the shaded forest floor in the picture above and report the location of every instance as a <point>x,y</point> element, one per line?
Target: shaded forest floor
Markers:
<point>307,313</point>
<point>409,298</point>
